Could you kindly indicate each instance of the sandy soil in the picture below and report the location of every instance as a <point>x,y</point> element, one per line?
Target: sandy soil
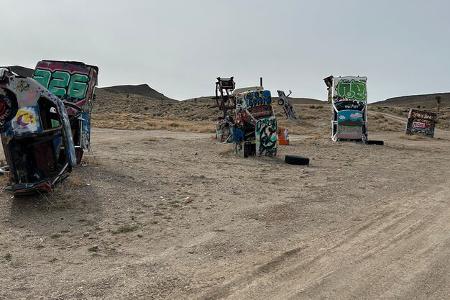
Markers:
<point>158,214</point>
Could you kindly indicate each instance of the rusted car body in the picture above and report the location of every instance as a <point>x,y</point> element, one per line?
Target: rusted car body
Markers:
<point>283,100</point>
<point>36,134</point>
<point>255,129</point>
<point>74,83</point>
<point>348,96</point>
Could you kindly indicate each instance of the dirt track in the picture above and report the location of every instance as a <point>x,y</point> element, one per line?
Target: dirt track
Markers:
<point>158,214</point>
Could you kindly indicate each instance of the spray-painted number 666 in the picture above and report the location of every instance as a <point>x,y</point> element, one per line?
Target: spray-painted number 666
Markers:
<point>62,84</point>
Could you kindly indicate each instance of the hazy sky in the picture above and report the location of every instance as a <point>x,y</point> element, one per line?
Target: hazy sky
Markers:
<point>179,47</point>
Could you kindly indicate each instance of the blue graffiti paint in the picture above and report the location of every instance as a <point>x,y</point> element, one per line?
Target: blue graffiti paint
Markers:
<point>350,118</point>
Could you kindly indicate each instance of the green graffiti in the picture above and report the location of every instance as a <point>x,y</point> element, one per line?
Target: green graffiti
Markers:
<point>43,77</point>
<point>266,136</point>
<point>78,86</point>
<point>62,84</point>
<point>352,90</point>
<point>60,80</point>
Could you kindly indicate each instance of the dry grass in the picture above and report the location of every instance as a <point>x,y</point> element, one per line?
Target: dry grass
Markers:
<point>378,122</point>
<point>443,121</point>
<point>127,228</point>
<point>62,196</point>
<point>313,120</point>
<point>122,111</point>
<point>90,159</point>
<point>414,137</point>
<point>74,181</point>
<point>4,180</point>
<point>147,122</point>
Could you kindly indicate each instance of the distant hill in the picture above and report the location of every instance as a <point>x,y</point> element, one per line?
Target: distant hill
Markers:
<point>304,101</point>
<point>140,89</point>
<point>427,101</point>
<point>204,100</point>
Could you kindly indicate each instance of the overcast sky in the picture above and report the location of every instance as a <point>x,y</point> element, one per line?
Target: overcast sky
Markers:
<point>179,47</point>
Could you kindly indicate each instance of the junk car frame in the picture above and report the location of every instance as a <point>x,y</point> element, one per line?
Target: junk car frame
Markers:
<point>36,134</point>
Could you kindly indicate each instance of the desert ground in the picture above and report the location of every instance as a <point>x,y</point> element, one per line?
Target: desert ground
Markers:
<point>168,213</point>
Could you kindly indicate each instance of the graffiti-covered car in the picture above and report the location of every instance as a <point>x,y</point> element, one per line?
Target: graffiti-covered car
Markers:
<point>74,83</point>
<point>283,100</point>
<point>348,96</point>
<point>36,134</point>
<point>255,129</point>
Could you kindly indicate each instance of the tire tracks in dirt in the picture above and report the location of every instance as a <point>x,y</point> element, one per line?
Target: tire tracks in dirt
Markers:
<point>356,262</point>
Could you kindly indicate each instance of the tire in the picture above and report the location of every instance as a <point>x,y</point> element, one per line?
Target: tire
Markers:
<point>249,149</point>
<point>375,142</point>
<point>280,102</point>
<point>296,160</point>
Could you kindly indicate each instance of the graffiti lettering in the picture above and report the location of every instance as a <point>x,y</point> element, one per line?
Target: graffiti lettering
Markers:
<point>423,115</point>
<point>58,84</point>
<point>257,98</point>
<point>261,111</point>
<point>421,122</point>
<point>352,90</point>
<point>63,84</point>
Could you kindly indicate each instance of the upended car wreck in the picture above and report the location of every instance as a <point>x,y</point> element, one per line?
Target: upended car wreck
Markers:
<point>74,83</point>
<point>36,134</point>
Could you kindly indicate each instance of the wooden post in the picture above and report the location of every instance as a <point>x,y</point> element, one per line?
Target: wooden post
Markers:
<point>260,82</point>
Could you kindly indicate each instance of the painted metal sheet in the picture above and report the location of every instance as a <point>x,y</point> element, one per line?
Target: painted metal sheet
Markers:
<point>27,92</point>
<point>349,99</point>
<point>350,89</point>
<point>350,118</point>
<point>70,81</point>
<point>253,105</point>
<point>85,130</point>
<point>266,136</point>
<point>27,121</point>
<point>421,122</point>
<point>349,132</point>
<point>73,82</point>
